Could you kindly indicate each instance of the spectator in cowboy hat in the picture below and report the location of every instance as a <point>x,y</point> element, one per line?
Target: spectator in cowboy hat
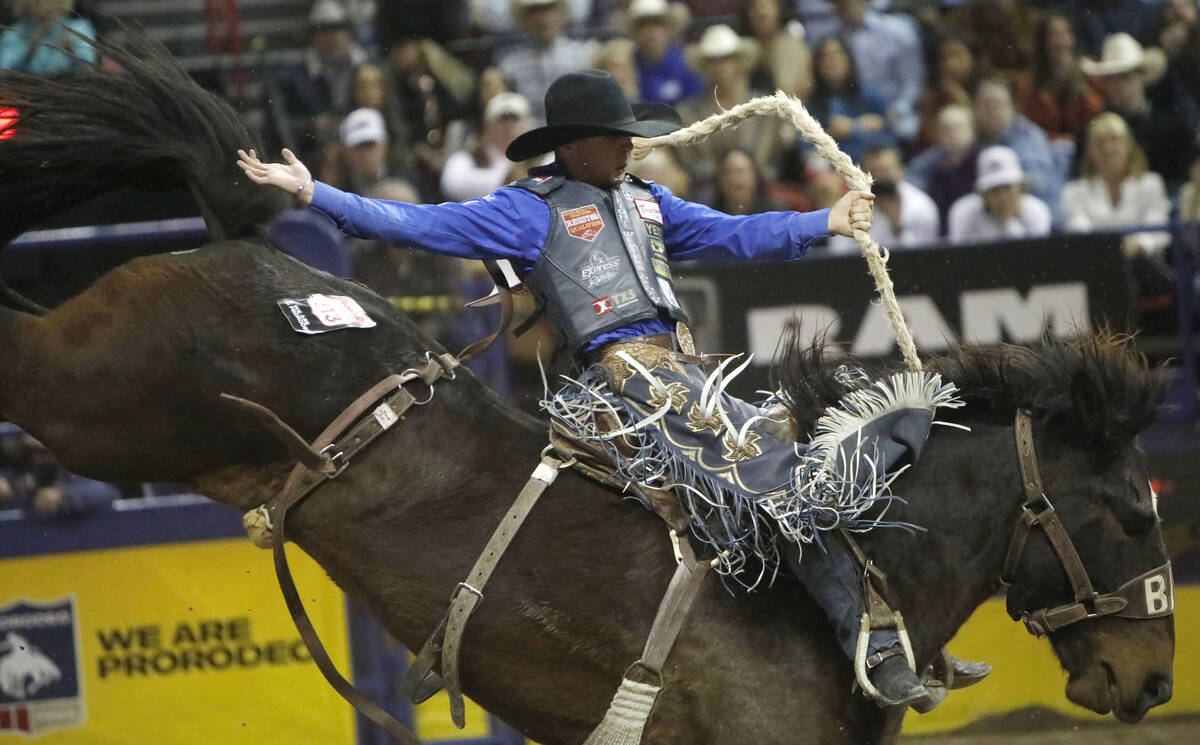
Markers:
<point>663,74</point>
<point>999,209</point>
<point>726,60</point>
<point>531,66</point>
<point>1137,84</point>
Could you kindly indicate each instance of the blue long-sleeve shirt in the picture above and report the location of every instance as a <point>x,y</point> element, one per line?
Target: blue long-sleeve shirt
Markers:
<point>512,223</point>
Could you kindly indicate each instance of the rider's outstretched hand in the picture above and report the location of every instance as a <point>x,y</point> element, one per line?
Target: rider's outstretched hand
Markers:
<point>292,176</point>
<point>851,212</point>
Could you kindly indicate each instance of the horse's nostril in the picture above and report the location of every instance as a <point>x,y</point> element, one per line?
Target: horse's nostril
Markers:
<point>1156,691</point>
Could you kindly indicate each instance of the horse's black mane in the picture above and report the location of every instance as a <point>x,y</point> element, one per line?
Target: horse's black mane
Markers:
<point>1096,383</point>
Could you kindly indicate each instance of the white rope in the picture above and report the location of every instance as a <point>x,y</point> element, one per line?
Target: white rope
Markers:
<point>789,107</point>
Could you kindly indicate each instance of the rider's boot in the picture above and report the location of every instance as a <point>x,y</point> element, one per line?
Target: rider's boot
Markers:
<point>831,576</point>
<point>960,673</point>
<point>895,681</point>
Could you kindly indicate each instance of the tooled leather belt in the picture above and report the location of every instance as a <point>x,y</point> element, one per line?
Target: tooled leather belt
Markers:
<point>664,341</point>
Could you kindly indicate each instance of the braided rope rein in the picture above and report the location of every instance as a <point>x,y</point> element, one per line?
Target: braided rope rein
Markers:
<point>789,107</point>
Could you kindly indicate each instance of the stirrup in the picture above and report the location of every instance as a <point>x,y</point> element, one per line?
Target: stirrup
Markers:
<point>862,670</point>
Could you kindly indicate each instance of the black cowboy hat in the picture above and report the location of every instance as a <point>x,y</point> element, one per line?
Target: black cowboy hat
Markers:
<point>589,103</point>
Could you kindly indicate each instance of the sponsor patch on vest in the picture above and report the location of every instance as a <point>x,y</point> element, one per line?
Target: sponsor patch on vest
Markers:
<point>599,269</point>
<point>40,682</point>
<point>318,314</point>
<point>622,299</point>
<point>648,209</point>
<point>583,222</point>
<point>654,229</point>
<point>602,305</point>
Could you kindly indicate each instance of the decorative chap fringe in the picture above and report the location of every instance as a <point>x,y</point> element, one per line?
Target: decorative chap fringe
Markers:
<point>626,716</point>
<point>743,528</point>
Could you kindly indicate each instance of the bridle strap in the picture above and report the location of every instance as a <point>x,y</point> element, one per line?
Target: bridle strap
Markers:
<point>1149,595</point>
<point>337,447</point>
<point>1038,512</point>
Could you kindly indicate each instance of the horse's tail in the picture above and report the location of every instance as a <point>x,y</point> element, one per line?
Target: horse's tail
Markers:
<point>137,120</point>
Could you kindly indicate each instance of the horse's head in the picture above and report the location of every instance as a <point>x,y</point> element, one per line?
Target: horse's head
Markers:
<point>1116,637</point>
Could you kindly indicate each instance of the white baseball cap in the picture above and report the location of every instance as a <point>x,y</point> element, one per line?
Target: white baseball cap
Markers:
<point>997,166</point>
<point>363,126</point>
<point>327,14</point>
<point>506,104</point>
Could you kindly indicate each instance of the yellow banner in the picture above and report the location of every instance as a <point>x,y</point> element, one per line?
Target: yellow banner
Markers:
<point>182,643</point>
<point>191,643</point>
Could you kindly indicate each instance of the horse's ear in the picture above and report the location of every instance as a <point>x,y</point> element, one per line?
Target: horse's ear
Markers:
<point>1088,407</point>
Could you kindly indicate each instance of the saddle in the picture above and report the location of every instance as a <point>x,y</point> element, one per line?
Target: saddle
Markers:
<point>596,463</point>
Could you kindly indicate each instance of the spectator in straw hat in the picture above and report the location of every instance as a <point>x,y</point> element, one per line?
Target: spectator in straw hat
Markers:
<point>531,66</point>
<point>664,76</point>
<point>726,60</point>
<point>999,208</point>
<point>1160,114</point>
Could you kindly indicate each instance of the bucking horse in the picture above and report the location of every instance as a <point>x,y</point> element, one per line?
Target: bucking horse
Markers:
<point>125,380</point>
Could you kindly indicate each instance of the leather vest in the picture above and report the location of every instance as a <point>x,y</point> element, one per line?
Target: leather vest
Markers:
<point>604,264</point>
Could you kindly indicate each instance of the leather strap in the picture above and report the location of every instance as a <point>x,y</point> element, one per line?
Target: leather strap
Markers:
<point>478,347</point>
<point>1149,595</point>
<point>337,453</point>
<point>1039,512</point>
<point>674,608</point>
<point>665,341</point>
<point>296,445</point>
<point>468,594</point>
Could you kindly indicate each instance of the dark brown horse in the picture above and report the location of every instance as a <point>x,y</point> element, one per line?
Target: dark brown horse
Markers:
<point>124,382</point>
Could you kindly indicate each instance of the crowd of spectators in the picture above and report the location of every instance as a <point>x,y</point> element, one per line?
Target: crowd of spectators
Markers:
<point>993,119</point>
<point>980,120</point>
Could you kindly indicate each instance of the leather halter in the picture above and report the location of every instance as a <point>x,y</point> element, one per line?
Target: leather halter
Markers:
<point>1148,595</point>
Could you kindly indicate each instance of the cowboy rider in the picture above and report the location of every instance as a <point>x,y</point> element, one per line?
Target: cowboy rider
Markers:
<point>594,244</point>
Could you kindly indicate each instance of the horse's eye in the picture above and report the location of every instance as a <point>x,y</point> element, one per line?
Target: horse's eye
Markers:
<point>1136,513</point>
